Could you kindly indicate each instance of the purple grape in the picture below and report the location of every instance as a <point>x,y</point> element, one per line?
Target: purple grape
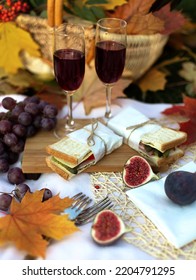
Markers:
<point>17,111</point>
<point>20,191</point>
<point>2,115</point>
<point>42,105</point>
<point>19,129</point>
<point>31,130</point>
<point>47,194</point>
<point>4,165</point>
<point>5,201</point>
<point>32,99</point>
<point>5,126</point>
<point>8,103</point>
<point>25,118</point>
<point>4,155</point>
<point>10,139</point>
<point>37,121</point>
<point>48,124</point>
<point>15,175</point>
<point>19,147</point>
<point>32,108</point>
<point>12,157</point>
<point>50,111</point>
<point>2,148</point>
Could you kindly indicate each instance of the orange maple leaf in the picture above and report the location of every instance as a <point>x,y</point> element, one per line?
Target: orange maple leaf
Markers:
<point>29,221</point>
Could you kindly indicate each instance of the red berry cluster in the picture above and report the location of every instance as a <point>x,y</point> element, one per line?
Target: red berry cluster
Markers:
<point>10,9</point>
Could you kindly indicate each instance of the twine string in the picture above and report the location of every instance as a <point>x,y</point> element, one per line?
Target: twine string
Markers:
<point>90,139</point>
<point>136,126</point>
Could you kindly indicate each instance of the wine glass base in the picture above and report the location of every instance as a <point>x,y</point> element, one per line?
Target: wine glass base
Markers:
<point>108,115</point>
<point>61,131</point>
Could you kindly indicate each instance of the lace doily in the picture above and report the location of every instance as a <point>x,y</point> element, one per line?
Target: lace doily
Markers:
<point>144,234</point>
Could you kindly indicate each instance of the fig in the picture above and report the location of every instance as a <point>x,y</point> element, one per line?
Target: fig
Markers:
<point>107,227</point>
<point>180,187</point>
<point>137,171</point>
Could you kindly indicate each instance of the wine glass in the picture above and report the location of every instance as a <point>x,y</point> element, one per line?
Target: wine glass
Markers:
<point>69,65</point>
<point>110,54</point>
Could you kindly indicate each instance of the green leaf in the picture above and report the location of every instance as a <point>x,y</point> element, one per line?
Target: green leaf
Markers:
<point>96,2</point>
<point>98,12</point>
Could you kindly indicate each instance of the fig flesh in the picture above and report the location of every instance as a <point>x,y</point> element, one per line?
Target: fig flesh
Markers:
<point>107,227</point>
<point>180,187</point>
<point>137,171</point>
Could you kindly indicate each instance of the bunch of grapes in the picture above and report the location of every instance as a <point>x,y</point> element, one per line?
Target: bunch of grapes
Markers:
<point>10,9</point>
<point>16,177</point>
<point>22,120</point>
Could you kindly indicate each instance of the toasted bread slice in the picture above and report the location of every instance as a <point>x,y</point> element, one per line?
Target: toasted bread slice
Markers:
<point>164,139</point>
<point>69,150</point>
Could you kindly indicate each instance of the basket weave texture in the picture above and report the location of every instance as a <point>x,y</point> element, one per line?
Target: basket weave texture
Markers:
<point>142,52</point>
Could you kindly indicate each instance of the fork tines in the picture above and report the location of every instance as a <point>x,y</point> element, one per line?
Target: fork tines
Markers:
<point>88,214</point>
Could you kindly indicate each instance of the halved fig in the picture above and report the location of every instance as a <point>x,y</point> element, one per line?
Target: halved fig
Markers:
<point>137,171</point>
<point>107,227</point>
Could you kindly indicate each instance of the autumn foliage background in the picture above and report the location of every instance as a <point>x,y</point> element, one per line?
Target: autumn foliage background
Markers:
<point>172,77</point>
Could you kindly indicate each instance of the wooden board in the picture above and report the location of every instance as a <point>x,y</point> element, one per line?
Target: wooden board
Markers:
<point>34,155</point>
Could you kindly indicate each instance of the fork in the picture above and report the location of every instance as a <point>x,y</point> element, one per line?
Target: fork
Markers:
<point>81,201</point>
<point>89,213</point>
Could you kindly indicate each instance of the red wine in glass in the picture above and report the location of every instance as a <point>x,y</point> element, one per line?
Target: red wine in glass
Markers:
<point>110,54</point>
<point>69,68</point>
<point>109,61</point>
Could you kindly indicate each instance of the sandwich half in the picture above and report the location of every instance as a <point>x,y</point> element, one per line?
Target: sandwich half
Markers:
<point>76,152</point>
<point>69,157</point>
<point>161,147</point>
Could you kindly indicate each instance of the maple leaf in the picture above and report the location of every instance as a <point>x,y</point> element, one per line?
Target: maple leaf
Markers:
<point>188,71</point>
<point>132,7</point>
<point>12,41</point>
<point>173,20</point>
<point>30,220</point>
<point>144,24</point>
<point>153,80</point>
<point>188,109</point>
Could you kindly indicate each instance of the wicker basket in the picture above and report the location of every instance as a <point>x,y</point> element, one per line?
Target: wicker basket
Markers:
<point>142,52</point>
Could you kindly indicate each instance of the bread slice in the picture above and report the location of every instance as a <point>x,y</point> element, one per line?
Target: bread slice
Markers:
<point>164,139</point>
<point>69,150</point>
<point>162,163</point>
<point>58,169</point>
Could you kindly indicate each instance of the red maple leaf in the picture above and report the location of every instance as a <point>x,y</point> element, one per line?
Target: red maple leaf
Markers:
<point>174,20</point>
<point>188,109</point>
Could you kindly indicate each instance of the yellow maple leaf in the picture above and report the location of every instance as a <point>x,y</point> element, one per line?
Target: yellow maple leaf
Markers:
<point>13,40</point>
<point>30,220</point>
<point>153,80</point>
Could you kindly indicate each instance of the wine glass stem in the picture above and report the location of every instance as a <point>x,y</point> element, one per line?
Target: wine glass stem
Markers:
<point>108,113</point>
<point>70,120</point>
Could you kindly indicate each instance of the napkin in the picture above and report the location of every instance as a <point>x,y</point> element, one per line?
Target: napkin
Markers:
<point>127,118</point>
<point>105,140</point>
<point>177,223</point>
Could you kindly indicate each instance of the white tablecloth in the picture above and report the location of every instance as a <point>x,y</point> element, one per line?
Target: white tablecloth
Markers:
<point>79,246</point>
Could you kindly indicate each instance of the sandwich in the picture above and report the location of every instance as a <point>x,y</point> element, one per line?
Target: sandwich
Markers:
<point>161,147</point>
<point>158,144</point>
<point>75,153</point>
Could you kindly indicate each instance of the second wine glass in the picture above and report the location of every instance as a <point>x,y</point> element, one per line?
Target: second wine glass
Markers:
<point>69,65</point>
<point>110,54</point>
